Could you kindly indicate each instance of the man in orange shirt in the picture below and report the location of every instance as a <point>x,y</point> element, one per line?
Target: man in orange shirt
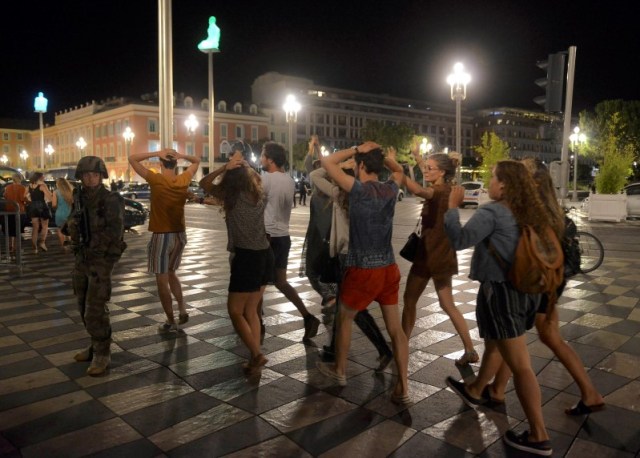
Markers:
<point>15,192</point>
<point>166,222</point>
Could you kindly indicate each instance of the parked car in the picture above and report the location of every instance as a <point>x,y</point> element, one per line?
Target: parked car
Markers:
<point>633,199</point>
<point>473,192</point>
<point>195,188</point>
<point>136,191</point>
<point>400,194</point>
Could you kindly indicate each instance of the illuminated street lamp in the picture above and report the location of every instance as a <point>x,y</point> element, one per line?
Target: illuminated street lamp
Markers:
<point>191,124</point>
<point>576,139</point>
<point>324,152</point>
<point>49,150</point>
<point>4,159</point>
<point>81,144</point>
<point>210,46</point>
<point>128,136</point>
<point>291,108</point>
<point>425,148</point>
<point>40,106</point>
<point>24,156</point>
<point>458,81</point>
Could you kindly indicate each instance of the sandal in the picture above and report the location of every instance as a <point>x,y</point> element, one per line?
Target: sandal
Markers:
<point>582,409</point>
<point>183,318</point>
<point>468,358</point>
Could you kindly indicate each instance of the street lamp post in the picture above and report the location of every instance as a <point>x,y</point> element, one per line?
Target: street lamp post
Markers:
<point>4,159</point>
<point>49,150</point>
<point>128,136</point>
<point>458,81</point>
<point>291,108</point>
<point>81,144</point>
<point>425,148</point>
<point>24,156</point>
<point>40,106</point>
<point>576,139</point>
<point>210,46</point>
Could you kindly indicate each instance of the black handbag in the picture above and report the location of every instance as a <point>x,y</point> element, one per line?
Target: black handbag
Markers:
<point>410,248</point>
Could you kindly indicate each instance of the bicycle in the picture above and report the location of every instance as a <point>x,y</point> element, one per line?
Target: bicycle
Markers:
<point>591,249</point>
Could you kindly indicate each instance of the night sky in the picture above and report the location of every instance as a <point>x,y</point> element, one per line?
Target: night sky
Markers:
<point>81,51</point>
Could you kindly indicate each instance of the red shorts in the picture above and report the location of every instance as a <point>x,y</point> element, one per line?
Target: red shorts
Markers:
<point>361,287</point>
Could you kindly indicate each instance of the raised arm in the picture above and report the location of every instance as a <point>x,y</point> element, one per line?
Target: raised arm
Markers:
<point>331,164</point>
<point>135,160</point>
<point>397,173</point>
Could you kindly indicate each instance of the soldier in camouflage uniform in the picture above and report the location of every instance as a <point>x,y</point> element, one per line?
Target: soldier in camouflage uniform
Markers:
<point>96,228</point>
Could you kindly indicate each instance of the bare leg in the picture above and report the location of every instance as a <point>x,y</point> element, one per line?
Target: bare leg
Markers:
<point>289,291</point>
<point>549,332</point>
<point>35,229</point>
<point>445,296</point>
<point>515,353</point>
<point>393,322</point>
<point>176,290</point>
<point>343,337</point>
<point>242,309</point>
<point>44,230</point>
<point>164,292</point>
<point>491,361</point>
<point>412,291</point>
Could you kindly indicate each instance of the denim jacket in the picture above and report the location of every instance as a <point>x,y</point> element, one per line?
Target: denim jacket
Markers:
<point>494,222</point>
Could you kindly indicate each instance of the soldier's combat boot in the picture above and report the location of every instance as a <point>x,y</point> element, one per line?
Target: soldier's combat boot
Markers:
<point>84,355</point>
<point>99,365</point>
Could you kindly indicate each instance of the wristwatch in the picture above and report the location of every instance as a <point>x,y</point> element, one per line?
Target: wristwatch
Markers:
<point>355,149</point>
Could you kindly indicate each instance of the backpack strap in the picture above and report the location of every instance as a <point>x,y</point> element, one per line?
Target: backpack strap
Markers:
<point>492,250</point>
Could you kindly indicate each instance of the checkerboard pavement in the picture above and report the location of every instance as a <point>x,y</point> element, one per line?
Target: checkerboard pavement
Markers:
<point>185,394</point>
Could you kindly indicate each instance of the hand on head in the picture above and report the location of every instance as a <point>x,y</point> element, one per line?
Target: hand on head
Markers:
<point>168,154</point>
<point>236,162</point>
<point>456,197</point>
<point>368,146</point>
<point>391,153</point>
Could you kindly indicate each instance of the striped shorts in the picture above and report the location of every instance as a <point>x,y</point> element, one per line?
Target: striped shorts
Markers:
<point>164,251</point>
<point>504,313</point>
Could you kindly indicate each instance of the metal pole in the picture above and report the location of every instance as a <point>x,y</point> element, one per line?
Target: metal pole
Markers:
<point>128,143</point>
<point>567,123</point>
<point>290,121</point>
<point>165,74</point>
<point>41,142</point>
<point>212,109</point>
<point>575,175</point>
<point>458,130</point>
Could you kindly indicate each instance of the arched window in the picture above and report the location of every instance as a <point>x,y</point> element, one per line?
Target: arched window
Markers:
<point>253,109</point>
<point>188,102</point>
<point>205,104</point>
<point>222,106</point>
<point>237,107</point>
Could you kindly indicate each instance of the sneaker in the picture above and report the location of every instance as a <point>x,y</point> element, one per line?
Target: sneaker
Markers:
<point>84,355</point>
<point>460,389</point>
<point>521,442</point>
<point>99,365</point>
<point>168,327</point>
<point>328,371</point>
<point>183,318</point>
<point>311,324</point>
<point>468,358</point>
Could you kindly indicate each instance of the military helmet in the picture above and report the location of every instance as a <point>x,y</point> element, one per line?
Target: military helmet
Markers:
<point>91,164</point>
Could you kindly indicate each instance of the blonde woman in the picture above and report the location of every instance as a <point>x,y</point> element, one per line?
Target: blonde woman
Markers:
<point>62,203</point>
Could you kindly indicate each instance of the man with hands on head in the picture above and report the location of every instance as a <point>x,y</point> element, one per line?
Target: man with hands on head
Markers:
<point>169,193</point>
<point>371,273</point>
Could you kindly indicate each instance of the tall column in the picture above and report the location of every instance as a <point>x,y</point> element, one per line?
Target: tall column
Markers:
<point>165,74</point>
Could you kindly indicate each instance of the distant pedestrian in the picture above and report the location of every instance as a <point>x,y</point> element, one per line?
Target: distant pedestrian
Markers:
<point>169,193</point>
<point>62,203</point>
<point>38,196</point>
<point>16,193</point>
<point>114,185</point>
<point>303,189</point>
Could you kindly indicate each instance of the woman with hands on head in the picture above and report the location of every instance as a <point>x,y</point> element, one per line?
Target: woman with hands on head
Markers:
<point>435,259</point>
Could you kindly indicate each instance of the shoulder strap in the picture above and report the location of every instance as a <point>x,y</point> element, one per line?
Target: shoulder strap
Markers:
<point>495,254</point>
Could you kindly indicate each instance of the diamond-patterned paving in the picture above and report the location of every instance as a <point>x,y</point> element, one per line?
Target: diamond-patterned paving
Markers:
<point>185,394</point>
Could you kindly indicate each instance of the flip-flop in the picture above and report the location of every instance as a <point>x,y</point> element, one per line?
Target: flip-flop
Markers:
<point>582,409</point>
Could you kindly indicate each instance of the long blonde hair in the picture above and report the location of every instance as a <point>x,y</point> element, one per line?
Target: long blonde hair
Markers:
<point>66,190</point>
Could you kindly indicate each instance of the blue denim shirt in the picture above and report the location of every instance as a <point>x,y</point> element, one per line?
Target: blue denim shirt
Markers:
<point>492,221</point>
<point>371,209</point>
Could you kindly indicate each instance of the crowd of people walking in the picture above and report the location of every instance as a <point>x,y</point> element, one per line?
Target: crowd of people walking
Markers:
<point>347,257</point>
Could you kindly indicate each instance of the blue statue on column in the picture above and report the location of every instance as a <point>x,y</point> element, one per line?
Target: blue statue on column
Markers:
<point>213,37</point>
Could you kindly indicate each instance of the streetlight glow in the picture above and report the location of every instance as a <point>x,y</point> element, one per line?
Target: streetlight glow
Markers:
<point>191,124</point>
<point>4,159</point>
<point>24,156</point>
<point>576,139</point>
<point>49,150</point>
<point>291,107</point>
<point>458,81</point>
<point>128,136</point>
<point>81,144</point>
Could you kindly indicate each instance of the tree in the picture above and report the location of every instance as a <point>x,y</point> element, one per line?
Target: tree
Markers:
<point>399,136</point>
<point>617,154</point>
<point>492,150</point>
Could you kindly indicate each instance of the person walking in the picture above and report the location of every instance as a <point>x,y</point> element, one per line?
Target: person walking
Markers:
<point>15,191</point>
<point>503,313</point>
<point>169,193</point>
<point>372,274</point>
<point>240,194</point>
<point>62,203</point>
<point>278,191</point>
<point>96,229</point>
<point>435,258</point>
<point>38,195</point>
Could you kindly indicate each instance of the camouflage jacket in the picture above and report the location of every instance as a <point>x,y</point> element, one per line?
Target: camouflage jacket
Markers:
<point>96,224</point>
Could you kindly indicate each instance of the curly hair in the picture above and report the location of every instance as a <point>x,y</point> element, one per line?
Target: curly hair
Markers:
<point>242,180</point>
<point>373,160</point>
<point>547,192</point>
<point>522,197</point>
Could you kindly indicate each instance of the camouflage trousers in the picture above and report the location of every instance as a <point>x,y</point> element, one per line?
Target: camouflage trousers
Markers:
<point>92,287</point>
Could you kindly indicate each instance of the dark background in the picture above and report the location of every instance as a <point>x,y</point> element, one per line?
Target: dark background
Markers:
<point>77,51</point>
